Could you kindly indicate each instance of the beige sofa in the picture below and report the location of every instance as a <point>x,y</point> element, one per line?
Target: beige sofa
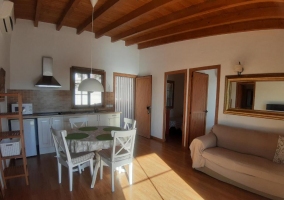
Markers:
<point>240,157</point>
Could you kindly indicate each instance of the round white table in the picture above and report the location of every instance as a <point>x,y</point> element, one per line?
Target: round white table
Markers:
<point>90,143</point>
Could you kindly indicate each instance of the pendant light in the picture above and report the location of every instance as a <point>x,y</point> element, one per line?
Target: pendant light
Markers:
<point>91,84</point>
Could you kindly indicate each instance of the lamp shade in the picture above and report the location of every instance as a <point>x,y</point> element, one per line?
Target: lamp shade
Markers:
<point>238,68</point>
<point>91,85</point>
<point>94,2</point>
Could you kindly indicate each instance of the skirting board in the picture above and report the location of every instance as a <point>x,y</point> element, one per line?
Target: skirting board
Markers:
<point>157,139</point>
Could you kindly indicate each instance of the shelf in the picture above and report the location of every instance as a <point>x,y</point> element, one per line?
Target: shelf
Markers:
<point>14,171</point>
<point>10,157</point>
<point>10,115</point>
<point>10,134</point>
<point>9,94</point>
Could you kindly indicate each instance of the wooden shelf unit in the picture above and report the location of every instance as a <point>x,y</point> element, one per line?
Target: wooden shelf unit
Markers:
<point>10,172</point>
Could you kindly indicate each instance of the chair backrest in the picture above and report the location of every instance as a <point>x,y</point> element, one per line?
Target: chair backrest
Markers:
<point>129,124</point>
<point>78,122</point>
<point>123,145</point>
<point>60,144</point>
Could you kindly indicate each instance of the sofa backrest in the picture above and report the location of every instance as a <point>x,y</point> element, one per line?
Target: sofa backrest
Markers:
<point>246,141</point>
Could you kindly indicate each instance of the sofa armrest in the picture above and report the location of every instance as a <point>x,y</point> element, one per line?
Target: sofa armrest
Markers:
<point>198,145</point>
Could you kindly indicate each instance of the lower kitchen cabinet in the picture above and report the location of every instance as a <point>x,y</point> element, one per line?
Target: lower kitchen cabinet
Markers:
<point>105,119</point>
<point>46,144</point>
<point>114,119</point>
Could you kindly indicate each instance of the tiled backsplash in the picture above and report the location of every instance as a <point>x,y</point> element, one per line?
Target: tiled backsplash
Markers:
<point>52,100</point>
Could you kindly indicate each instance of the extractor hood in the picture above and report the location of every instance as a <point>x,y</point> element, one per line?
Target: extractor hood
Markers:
<point>47,79</point>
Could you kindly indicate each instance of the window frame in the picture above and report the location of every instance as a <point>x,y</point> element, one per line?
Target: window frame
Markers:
<point>84,70</point>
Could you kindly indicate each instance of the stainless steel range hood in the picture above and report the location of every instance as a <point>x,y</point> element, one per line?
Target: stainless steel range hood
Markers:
<point>47,79</point>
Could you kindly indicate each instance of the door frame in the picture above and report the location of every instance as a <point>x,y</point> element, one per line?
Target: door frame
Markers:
<point>191,70</point>
<point>182,71</point>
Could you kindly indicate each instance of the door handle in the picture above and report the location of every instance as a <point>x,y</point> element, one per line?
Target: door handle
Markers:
<point>148,109</point>
<point>206,111</point>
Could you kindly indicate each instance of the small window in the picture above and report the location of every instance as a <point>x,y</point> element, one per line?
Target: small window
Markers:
<point>82,99</point>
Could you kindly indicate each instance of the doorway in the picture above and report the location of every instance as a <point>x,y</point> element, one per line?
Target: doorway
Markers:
<point>203,100</point>
<point>174,107</point>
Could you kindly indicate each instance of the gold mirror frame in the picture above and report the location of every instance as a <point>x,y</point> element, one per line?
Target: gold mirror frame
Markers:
<point>246,112</point>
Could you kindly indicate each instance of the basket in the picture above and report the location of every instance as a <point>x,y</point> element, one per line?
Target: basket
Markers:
<point>10,147</point>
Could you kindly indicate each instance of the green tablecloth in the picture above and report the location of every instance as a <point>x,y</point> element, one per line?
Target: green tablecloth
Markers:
<point>76,136</point>
<point>104,137</point>
<point>88,128</point>
<point>112,128</point>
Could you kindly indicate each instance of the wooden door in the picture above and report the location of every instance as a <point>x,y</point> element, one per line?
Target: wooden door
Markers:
<point>199,89</point>
<point>245,95</point>
<point>143,98</point>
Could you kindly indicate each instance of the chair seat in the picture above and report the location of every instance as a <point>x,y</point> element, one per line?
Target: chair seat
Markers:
<point>106,153</point>
<point>81,157</point>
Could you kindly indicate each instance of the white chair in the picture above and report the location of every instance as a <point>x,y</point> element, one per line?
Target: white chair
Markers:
<point>119,155</point>
<point>69,160</point>
<point>78,122</point>
<point>129,124</point>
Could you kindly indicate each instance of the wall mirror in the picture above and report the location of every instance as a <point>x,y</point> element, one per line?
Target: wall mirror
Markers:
<point>255,95</point>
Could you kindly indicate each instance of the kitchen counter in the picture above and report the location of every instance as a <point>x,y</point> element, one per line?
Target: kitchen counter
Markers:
<point>73,113</point>
<point>60,121</point>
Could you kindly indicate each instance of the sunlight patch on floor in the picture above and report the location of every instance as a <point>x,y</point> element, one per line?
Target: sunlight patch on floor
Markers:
<point>161,178</point>
<point>153,165</point>
<point>171,186</point>
<point>142,190</point>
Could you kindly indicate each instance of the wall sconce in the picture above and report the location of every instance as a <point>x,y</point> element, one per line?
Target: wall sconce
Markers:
<point>239,68</point>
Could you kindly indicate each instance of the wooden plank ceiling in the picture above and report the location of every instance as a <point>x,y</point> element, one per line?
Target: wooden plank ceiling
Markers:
<point>157,22</point>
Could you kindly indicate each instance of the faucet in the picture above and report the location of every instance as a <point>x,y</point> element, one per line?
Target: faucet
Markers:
<point>95,109</point>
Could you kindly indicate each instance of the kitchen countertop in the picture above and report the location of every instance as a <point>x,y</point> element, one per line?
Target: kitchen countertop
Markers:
<point>58,114</point>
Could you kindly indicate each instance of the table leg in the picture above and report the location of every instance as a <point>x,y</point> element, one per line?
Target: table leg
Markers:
<point>97,165</point>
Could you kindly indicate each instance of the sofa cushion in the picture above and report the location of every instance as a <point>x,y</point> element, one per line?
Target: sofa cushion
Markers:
<point>246,164</point>
<point>246,141</point>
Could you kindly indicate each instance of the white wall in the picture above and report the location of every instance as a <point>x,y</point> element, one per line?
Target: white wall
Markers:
<point>268,92</point>
<point>211,98</point>
<point>29,44</point>
<point>258,51</point>
<point>4,63</point>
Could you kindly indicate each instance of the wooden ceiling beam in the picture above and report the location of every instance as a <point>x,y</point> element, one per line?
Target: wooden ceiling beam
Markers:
<point>225,29</point>
<point>188,13</point>
<point>107,5</point>
<point>37,12</point>
<point>69,8</point>
<point>222,19</point>
<point>132,15</point>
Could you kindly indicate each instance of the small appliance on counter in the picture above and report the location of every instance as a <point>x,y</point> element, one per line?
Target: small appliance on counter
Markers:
<point>27,108</point>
